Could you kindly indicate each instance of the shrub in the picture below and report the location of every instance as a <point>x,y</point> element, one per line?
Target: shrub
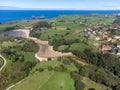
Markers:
<point>66,61</point>
<point>91,89</point>
<point>60,68</point>
<point>40,69</point>
<point>79,85</point>
<point>49,59</point>
<point>50,68</point>
<point>41,24</point>
<point>68,28</point>
<point>30,46</point>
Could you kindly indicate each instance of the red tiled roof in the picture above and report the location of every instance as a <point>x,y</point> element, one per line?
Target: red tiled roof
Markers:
<point>105,47</point>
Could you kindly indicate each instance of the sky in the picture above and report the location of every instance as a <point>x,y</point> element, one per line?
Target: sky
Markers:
<point>64,4</point>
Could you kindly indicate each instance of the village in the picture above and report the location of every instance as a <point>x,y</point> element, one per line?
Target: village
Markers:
<point>106,38</point>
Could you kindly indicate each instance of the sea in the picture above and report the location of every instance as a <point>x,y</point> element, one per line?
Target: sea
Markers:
<point>13,15</point>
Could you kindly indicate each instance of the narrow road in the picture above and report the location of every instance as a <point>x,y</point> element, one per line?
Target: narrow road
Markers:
<point>14,85</point>
<point>4,63</point>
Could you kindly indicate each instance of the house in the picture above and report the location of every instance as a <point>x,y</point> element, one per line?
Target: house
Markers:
<point>117,37</point>
<point>109,39</point>
<point>105,48</point>
<point>97,38</point>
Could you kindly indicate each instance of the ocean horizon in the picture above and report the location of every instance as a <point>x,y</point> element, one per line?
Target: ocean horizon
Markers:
<point>14,15</point>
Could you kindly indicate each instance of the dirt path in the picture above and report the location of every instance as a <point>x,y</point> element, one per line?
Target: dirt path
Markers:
<point>14,85</point>
<point>46,51</point>
<point>4,63</point>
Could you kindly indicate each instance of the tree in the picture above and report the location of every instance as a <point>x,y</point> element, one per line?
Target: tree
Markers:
<point>41,24</point>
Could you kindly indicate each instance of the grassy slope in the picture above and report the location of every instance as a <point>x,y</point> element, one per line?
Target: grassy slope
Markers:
<point>10,65</point>
<point>48,80</point>
<point>92,84</point>
<point>52,80</point>
<point>9,43</point>
<point>54,63</point>
<point>58,81</point>
<point>34,81</point>
<point>29,56</point>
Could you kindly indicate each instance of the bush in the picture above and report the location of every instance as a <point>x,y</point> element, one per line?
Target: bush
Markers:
<point>91,89</point>
<point>30,46</point>
<point>59,59</point>
<point>68,28</point>
<point>79,85</point>
<point>60,68</point>
<point>40,69</point>
<point>66,61</point>
<point>99,75</point>
<point>41,24</point>
<point>49,59</point>
<point>50,68</point>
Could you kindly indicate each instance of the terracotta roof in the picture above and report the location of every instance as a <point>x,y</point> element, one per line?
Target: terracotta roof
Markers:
<point>105,47</point>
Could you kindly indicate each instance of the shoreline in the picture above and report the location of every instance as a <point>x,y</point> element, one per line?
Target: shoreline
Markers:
<point>48,15</point>
<point>45,50</point>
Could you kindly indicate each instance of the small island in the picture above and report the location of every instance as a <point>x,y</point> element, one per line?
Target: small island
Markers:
<point>38,17</point>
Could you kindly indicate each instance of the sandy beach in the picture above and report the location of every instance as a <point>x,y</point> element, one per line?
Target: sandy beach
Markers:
<point>45,51</point>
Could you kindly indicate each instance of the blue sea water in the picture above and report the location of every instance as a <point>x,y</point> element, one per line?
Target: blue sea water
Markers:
<point>13,15</point>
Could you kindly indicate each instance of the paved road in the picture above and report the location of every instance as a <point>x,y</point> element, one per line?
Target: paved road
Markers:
<point>3,63</point>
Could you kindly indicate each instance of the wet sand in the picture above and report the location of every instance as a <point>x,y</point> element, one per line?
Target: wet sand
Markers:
<point>45,51</point>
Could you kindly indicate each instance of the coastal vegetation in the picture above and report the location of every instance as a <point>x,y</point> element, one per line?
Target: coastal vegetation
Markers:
<point>70,34</point>
<point>18,63</point>
<point>58,73</point>
<point>83,35</point>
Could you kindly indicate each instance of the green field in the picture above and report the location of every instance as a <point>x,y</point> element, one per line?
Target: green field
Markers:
<point>54,63</point>
<point>16,25</point>
<point>48,80</point>
<point>8,44</point>
<point>53,80</point>
<point>91,84</point>
<point>29,56</point>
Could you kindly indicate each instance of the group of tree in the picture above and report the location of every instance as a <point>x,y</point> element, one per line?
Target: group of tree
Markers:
<point>8,28</point>
<point>79,85</point>
<point>106,69</point>
<point>117,20</point>
<point>30,46</point>
<point>36,31</point>
<point>18,66</point>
